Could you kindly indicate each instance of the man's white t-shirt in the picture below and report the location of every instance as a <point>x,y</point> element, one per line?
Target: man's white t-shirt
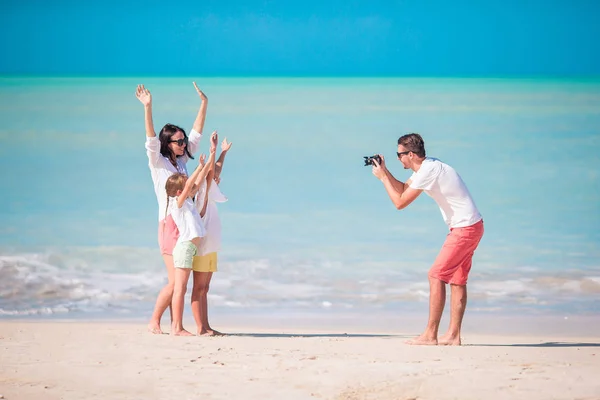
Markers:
<point>211,243</point>
<point>441,182</point>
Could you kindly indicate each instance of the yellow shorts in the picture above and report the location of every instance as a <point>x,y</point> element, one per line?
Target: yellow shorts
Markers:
<point>206,263</point>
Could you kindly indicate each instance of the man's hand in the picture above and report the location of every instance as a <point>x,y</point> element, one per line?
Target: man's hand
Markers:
<point>379,170</point>
<point>143,95</point>
<point>200,92</point>
<point>225,145</point>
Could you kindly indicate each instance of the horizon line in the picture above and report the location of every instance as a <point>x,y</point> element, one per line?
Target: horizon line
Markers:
<point>301,76</point>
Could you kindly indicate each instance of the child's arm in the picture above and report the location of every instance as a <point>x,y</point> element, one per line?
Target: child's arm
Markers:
<point>211,158</point>
<point>199,173</point>
<point>209,179</point>
<point>196,187</point>
<point>210,163</point>
<point>206,169</point>
<point>225,146</point>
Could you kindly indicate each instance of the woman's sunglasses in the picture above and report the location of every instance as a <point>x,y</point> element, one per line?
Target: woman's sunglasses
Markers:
<point>180,142</point>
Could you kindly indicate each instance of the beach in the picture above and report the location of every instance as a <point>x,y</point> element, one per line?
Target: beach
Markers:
<point>121,360</point>
<point>326,267</point>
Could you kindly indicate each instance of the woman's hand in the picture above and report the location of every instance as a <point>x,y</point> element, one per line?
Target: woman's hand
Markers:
<point>200,92</point>
<point>143,95</point>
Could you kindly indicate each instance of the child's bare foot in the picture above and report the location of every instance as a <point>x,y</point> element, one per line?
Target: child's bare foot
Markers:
<point>181,332</point>
<point>449,340</point>
<point>422,341</point>
<point>154,329</point>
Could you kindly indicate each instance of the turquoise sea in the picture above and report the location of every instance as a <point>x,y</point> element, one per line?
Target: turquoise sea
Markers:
<point>307,228</point>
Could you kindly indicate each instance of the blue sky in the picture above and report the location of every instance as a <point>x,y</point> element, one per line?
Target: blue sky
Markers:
<point>309,38</point>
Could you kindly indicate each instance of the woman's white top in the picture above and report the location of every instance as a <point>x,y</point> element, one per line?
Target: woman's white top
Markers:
<point>212,223</point>
<point>161,168</point>
<point>187,218</point>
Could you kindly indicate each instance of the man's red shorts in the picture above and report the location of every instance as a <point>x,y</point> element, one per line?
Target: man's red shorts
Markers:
<point>453,263</point>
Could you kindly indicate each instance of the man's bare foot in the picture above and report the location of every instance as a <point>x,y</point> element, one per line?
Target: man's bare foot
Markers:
<point>422,341</point>
<point>210,332</point>
<point>154,329</point>
<point>449,340</point>
<point>181,332</point>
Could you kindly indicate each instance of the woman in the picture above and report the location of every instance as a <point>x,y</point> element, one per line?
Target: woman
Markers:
<point>168,154</point>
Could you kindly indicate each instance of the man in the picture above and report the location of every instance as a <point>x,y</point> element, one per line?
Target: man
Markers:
<point>452,265</point>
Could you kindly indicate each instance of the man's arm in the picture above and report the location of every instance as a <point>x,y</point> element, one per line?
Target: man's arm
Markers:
<point>399,186</point>
<point>400,193</point>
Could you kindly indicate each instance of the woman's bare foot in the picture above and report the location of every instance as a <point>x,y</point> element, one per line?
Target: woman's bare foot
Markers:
<point>449,340</point>
<point>154,329</point>
<point>422,340</point>
<point>181,332</point>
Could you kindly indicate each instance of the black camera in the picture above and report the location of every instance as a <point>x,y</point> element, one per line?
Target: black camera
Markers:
<point>369,159</point>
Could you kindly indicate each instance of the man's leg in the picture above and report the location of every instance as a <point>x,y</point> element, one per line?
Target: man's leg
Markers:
<point>458,304</point>
<point>437,300</point>
<point>471,236</point>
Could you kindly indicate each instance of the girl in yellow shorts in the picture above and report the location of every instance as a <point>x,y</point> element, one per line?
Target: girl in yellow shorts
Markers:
<point>180,191</point>
<point>205,263</point>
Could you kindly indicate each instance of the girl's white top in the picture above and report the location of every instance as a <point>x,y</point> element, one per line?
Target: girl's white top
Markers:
<point>212,223</point>
<point>161,168</point>
<point>187,218</point>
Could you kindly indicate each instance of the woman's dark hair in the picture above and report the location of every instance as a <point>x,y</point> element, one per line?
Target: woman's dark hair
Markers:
<point>165,135</point>
<point>413,142</point>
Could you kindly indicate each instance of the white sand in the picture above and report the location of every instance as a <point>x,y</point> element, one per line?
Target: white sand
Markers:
<point>111,360</point>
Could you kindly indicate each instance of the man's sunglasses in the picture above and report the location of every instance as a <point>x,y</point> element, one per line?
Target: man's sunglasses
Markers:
<point>180,142</point>
<point>402,153</point>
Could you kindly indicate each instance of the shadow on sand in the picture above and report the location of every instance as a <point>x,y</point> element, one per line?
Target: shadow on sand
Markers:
<point>546,344</point>
<point>314,335</point>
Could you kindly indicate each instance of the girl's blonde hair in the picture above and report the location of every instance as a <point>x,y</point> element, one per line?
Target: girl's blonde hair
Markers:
<point>174,183</point>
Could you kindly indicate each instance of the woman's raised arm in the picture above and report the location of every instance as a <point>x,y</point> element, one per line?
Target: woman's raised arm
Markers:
<point>152,143</point>
<point>144,96</point>
<point>196,133</point>
<point>201,117</point>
